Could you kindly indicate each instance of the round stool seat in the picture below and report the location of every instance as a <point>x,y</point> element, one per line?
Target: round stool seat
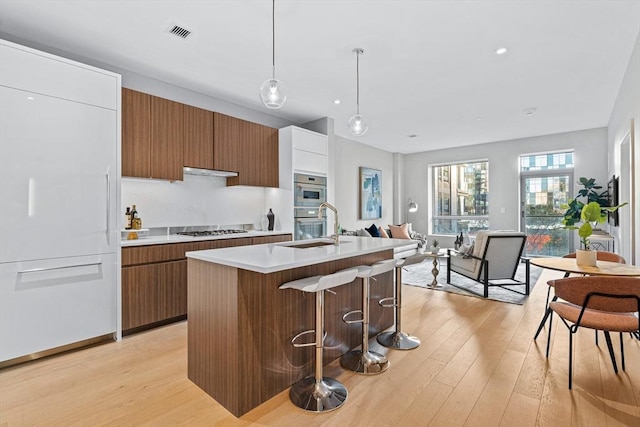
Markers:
<point>318,393</point>
<point>320,283</point>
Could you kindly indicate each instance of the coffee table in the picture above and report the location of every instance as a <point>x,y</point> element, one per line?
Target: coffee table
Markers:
<point>441,254</point>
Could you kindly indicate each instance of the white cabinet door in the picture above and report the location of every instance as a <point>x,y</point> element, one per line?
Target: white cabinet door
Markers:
<point>57,177</point>
<point>39,72</point>
<point>50,303</point>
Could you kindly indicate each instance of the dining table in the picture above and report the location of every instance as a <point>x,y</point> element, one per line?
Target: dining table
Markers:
<point>602,268</point>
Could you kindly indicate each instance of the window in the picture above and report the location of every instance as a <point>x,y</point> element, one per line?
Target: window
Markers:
<point>460,198</point>
<point>545,181</point>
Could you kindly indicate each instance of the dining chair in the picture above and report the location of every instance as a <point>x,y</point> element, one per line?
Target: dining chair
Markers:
<point>602,303</point>
<point>600,256</point>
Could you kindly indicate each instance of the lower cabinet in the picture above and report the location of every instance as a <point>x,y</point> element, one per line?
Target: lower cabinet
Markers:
<point>154,280</point>
<point>153,293</point>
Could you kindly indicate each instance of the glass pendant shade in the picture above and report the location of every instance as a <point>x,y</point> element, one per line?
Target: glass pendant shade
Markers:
<point>413,206</point>
<point>357,125</point>
<point>273,93</point>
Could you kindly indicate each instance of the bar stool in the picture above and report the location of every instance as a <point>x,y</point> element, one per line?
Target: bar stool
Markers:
<point>317,393</point>
<point>365,361</point>
<point>397,339</point>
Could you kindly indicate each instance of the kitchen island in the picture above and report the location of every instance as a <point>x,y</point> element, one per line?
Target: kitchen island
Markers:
<point>241,324</point>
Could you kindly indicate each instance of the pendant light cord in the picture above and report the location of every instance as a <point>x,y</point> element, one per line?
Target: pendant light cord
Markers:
<point>358,82</point>
<point>273,37</point>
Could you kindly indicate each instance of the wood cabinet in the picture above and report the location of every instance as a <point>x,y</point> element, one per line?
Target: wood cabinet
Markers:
<point>248,148</point>
<point>198,137</point>
<point>152,136</point>
<point>154,279</point>
<point>136,134</point>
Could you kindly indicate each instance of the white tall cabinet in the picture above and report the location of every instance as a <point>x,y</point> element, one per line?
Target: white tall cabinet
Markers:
<point>300,151</point>
<point>59,187</point>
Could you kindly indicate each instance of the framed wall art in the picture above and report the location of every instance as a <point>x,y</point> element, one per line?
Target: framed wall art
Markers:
<point>370,193</point>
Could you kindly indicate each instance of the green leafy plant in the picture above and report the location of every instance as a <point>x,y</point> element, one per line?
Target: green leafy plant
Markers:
<point>585,215</point>
<point>435,244</point>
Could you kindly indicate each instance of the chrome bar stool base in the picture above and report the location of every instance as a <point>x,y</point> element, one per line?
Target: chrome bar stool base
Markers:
<point>311,395</point>
<point>398,340</point>
<point>369,362</point>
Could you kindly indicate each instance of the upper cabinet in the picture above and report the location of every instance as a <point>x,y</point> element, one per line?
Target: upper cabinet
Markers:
<point>198,138</point>
<point>248,148</point>
<point>160,137</point>
<point>152,136</point>
<point>302,150</point>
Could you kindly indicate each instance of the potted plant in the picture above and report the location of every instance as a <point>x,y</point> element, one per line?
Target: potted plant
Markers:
<point>584,216</point>
<point>435,247</point>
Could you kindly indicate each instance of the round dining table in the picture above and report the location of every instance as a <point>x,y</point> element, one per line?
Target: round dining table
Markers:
<point>602,268</point>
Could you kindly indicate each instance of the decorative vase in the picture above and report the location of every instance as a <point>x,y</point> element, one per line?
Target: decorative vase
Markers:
<point>271,218</point>
<point>586,258</point>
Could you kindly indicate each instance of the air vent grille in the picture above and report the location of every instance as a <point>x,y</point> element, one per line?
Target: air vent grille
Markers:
<point>179,31</point>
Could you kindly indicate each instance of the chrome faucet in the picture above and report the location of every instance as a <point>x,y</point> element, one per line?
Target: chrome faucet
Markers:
<point>336,236</point>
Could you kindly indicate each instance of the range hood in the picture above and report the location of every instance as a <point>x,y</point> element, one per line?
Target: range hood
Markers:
<point>208,172</point>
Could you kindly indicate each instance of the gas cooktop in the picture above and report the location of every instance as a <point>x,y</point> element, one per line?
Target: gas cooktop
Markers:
<point>210,232</point>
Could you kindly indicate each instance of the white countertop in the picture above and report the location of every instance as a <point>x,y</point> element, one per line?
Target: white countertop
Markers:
<point>272,257</point>
<point>176,238</point>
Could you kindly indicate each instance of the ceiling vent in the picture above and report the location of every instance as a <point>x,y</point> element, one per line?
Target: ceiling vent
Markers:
<point>178,31</point>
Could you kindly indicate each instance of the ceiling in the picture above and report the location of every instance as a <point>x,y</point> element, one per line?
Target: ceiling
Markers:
<point>429,68</point>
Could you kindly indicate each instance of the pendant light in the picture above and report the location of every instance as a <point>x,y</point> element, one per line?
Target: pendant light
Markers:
<point>273,92</point>
<point>357,124</point>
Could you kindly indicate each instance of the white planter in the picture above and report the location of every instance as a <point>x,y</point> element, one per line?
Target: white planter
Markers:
<point>586,258</point>
<point>435,249</point>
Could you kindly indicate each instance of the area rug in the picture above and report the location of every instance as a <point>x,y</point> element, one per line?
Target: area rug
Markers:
<point>420,275</point>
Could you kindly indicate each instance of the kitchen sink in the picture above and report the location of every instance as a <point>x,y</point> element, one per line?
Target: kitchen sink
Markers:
<point>309,245</point>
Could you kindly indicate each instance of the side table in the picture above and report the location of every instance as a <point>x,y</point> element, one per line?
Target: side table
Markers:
<point>441,254</point>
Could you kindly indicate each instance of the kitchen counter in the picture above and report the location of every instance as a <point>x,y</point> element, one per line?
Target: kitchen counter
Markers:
<point>241,322</point>
<point>283,256</point>
<point>177,238</point>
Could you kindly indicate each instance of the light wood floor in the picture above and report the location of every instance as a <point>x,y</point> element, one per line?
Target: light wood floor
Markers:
<point>477,366</point>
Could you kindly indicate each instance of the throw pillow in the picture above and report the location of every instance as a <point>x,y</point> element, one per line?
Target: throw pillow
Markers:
<point>383,233</point>
<point>373,230</point>
<point>363,233</point>
<point>399,231</point>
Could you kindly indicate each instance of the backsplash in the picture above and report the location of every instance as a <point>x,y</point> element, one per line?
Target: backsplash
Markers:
<point>198,200</point>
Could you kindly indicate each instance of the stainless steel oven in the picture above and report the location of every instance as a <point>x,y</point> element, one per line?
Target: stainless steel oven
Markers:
<point>309,190</point>
<point>307,225</point>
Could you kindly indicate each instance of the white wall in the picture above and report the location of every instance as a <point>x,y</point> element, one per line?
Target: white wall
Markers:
<point>504,186</point>
<point>349,156</point>
<point>627,107</point>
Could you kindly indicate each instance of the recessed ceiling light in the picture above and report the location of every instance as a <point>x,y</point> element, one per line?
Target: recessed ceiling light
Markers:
<point>336,101</point>
<point>30,98</point>
<point>478,118</point>
<point>501,51</point>
<point>529,111</point>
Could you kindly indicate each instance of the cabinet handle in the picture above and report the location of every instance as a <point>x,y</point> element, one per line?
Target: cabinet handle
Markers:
<point>108,208</point>
<point>37,270</point>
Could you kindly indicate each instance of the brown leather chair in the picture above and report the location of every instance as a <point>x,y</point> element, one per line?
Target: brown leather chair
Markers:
<point>602,303</point>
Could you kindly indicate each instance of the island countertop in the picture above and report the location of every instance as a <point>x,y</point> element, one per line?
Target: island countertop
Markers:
<point>273,257</point>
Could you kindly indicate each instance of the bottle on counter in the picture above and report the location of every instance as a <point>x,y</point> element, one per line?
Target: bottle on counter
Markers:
<point>136,224</point>
<point>271,218</point>
<point>127,219</point>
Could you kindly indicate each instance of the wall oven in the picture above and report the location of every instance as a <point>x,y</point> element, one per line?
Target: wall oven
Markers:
<point>309,192</point>
<point>307,225</point>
